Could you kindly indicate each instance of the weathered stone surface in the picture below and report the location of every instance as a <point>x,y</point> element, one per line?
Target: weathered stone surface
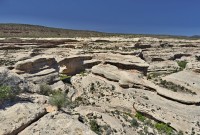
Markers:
<point>113,86</point>
<point>35,64</point>
<point>10,78</point>
<point>90,63</point>
<point>17,117</point>
<point>194,66</point>
<point>167,111</point>
<point>57,123</point>
<point>163,67</point>
<point>34,98</point>
<point>17,82</point>
<point>126,62</point>
<point>73,64</point>
<point>125,78</point>
<point>40,69</point>
<point>178,96</point>
<point>187,79</point>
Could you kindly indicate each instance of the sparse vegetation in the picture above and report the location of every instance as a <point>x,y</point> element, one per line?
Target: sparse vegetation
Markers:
<point>182,64</point>
<point>153,75</point>
<point>64,77</point>
<point>6,93</point>
<point>6,62</point>
<point>26,30</point>
<point>59,100</point>
<point>92,88</point>
<point>197,58</point>
<point>134,123</point>
<point>174,87</point>
<point>45,89</point>
<point>180,133</point>
<point>140,117</point>
<point>95,127</point>
<point>164,128</point>
<point>113,87</point>
<point>83,73</point>
<point>8,90</point>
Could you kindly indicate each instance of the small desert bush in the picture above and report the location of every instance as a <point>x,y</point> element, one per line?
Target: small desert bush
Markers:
<point>8,89</point>
<point>94,126</point>
<point>8,93</point>
<point>164,128</point>
<point>64,77</point>
<point>59,99</point>
<point>140,117</point>
<point>45,89</point>
<point>182,64</point>
<point>134,123</point>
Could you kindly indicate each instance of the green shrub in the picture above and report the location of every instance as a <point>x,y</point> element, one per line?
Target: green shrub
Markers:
<point>45,89</point>
<point>140,117</point>
<point>83,73</point>
<point>148,123</point>
<point>164,128</point>
<point>180,133</point>
<point>182,64</point>
<point>92,88</point>
<point>134,123</point>
<point>6,93</point>
<point>64,77</point>
<point>59,99</point>
<point>94,126</point>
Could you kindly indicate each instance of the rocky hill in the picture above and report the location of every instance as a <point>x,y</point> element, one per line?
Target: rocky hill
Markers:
<point>26,30</point>
<point>102,85</point>
<point>10,30</point>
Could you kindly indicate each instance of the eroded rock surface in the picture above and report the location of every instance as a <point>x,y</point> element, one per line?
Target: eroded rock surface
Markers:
<point>57,123</point>
<point>17,117</point>
<point>38,69</point>
<point>115,85</point>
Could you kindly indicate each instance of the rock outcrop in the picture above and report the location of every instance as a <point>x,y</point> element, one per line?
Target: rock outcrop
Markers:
<point>40,69</point>
<point>16,118</point>
<point>57,123</point>
<point>112,85</point>
<point>125,62</point>
<point>74,64</point>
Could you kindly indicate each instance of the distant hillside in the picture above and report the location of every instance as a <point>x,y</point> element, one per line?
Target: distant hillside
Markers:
<point>26,30</point>
<point>195,36</point>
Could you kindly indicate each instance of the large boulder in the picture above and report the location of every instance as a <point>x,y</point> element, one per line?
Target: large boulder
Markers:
<point>40,69</point>
<point>126,62</point>
<point>126,79</point>
<point>163,67</point>
<point>74,64</point>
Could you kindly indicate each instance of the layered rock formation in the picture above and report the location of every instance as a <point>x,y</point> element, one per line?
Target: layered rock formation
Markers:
<point>40,69</point>
<point>116,85</point>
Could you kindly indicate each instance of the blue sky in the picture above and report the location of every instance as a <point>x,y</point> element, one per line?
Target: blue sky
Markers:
<point>176,17</point>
